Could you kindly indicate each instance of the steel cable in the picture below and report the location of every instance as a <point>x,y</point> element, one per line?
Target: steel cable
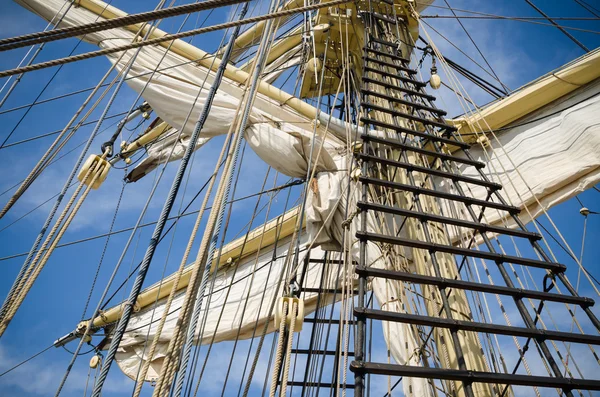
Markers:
<point>132,19</point>
<point>168,37</point>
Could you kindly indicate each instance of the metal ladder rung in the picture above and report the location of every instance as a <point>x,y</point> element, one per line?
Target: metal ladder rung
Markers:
<point>397,144</point>
<point>418,119</point>
<point>472,376</point>
<point>320,352</point>
<point>404,102</point>
<point>382,18</point>
<point>436,193</point>
<point>472,326</point>
<point>449,249</point>
<point>481,227</point>
<point>426,170</point>
<point>373,39</point>
<point>367,58</point>
<point>321,385</point>
<point>397,88</point>
<point>418,84</point>
<point>325,290</point>
<point>333,321</point>
<point>516,293</point>
<point>424,135</point>
<point>385,54</point>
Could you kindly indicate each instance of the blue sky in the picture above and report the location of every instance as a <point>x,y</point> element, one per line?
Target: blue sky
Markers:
<point>519,52</point>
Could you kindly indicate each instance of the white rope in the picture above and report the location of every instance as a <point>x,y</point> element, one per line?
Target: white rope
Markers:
<point>279,351</point>
<point>454,80</point>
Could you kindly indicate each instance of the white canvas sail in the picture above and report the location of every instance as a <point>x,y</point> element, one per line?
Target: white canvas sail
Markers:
<point>548,157</point>
<point>564,145</point>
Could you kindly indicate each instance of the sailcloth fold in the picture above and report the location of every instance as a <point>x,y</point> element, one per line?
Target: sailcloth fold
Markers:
<point>546,158</point>
<point>239,306</point>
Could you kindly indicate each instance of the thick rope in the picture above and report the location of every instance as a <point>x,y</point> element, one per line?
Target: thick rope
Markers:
<point>288,352</point>
<point>105,24</point>
<point>123,322</point>
<point>168,37</point>
<point>27,264</point>
<point>198,280</point>
<point>192,238</point>
<point>28,281</point>
<point>279,351</point>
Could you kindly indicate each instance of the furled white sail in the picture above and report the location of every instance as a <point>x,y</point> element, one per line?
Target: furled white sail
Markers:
<point>240,302</point>
<point>549,156</point>
<point>556,156</point>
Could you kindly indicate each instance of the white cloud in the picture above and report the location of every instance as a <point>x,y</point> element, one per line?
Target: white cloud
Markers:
<point>41,376</point>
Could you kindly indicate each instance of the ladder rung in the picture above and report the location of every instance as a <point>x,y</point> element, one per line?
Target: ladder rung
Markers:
<point>418,84</point>
<point>382,18</point>
<point>425,135</point>
<point>481,227</point>
<point>449,249</point>
<point>321,385</point>
<point>325,290</point>
<point>398,113</point>
<point>333,321</point>
<point>472,376</point>
<point>404,102</point>
<point>516,293</point>
<point>410,71</point>
<point>426,170</point>
<point>320,352</point>
<point>398,88</point>
<point>440,194</point>
<point>472,326</point>
<point>386,54</point>
<point>391,44</point>
<point>318,260</point>
<point>397,144</point>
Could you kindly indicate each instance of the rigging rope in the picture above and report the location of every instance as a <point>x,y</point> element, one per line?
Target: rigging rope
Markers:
<point>169,37</point>
<point>142,375</point>
<point>105,24</point>
<point>26,360</point>
<point>477,47</point>
<point>38,264</point>
<point>34,56</point>
<point>120,330</point>
<point>536,245</point>
<point>518,19</point>
<point>569,35</point>
<point>199,278</point>
<point>587,7</point>
<point>279,351</point>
